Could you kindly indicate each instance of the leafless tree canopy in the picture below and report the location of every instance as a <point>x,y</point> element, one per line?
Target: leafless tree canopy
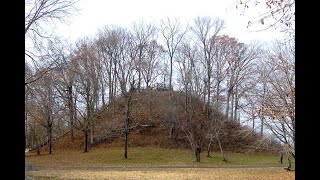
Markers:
<point>40,17</point>
<point>279,14</point>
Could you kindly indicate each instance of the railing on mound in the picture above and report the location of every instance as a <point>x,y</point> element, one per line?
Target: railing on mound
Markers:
<point>163,87</point>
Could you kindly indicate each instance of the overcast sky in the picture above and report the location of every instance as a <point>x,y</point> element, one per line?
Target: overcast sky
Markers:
<point>94,14</point>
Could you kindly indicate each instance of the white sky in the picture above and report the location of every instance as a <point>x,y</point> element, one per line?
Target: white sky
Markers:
<point>94,14</point>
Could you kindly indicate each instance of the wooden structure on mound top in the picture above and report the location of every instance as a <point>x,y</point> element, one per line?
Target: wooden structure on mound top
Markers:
<point>162,87</point>
<point>157,86</point>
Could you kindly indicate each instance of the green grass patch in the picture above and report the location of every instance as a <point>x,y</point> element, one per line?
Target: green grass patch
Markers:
<point>146,156</point>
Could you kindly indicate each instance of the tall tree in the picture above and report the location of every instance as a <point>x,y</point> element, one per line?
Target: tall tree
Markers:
<point>172,33</point>
<point>278,102</point>
<point>39,14</point>
<point>65,78</point>
<point>202,29</point>
<point>143,34</point>
<point>44,107</point>
<point>86,72</point>
<point>150,67</point>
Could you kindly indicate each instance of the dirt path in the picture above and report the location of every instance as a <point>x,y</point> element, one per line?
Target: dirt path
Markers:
<point>165,172</point>
<point>35,168</point>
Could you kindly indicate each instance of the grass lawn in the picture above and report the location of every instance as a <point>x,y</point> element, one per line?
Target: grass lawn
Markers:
<point>145,156</point>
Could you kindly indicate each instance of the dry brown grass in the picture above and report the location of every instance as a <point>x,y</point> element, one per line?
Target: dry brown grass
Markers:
<point>225,174</point>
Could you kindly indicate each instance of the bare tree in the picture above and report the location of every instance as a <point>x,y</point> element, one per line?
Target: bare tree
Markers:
<point>43,107</point>
<point>172,34</point>
<point>278,103</point>
<point>240,69</point>
<point>151,64</point>
<point>278,14</point>
<point>143,34</point>
<point>128,97</point>
<point>190,123</point>
<point>105,42</point>
<point>87,87</point>
<point>202,29</point>
<point>117,50</point>
<point>38,13</point>
<point>64,75</point>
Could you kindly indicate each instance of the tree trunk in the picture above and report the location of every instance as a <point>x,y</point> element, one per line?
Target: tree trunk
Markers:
<point>253,124</point>
<point>71,111</point>
<point>186,100</point>
<point>172,131</point>
<point>204,97</point>
<point>26,134</point>
<point>289,163</point>
<point>209,146</point>
<point>227,103</point>
<point>110,88</point>
<point>197,153</point>
<point>281,157</point>
<point>91,135</point>
<point>126,124</point>
<point>34,140</point>
<point>38,147</point>
<point>261,130</point>
<point>102,94</point>
<point>50,139</point>
<point>236,106</point>
<point>86,141</point>
<point>209,90</point>
<point>139,79</point>
<point>149,103</point>
<point>217,96</point>
<point>232,106</point>
<point>126,145</point>
<point>92,126</point>
<point>170,78</point>
<point>221,150</point>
